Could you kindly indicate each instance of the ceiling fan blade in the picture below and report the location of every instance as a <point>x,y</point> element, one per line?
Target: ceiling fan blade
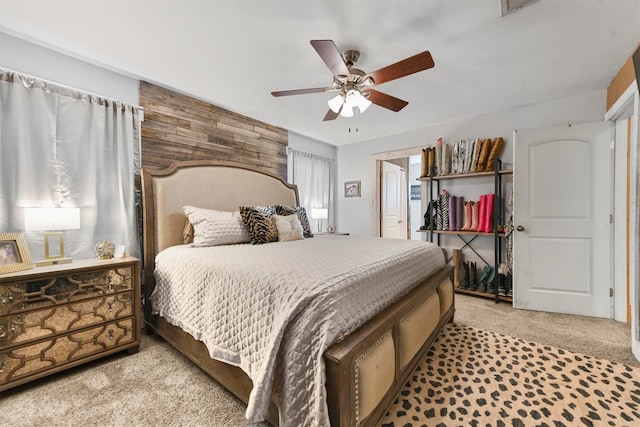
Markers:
<point>420,62</point>
<point>387,101</point>
<point>331,56</point>
<point>301,91</point>
<point>331,115</point>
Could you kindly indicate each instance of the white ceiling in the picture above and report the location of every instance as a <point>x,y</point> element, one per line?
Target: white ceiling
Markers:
<point>234,53</point>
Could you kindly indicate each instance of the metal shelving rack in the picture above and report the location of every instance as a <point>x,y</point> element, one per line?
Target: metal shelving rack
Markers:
<point>498,218</point>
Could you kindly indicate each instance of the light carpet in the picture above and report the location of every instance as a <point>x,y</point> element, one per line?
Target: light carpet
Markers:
<point>159,387</point>
<point>479,378</point>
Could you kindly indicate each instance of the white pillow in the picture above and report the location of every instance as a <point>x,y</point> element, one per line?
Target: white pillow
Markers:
<point>215,228</point>
<point>289,228</point>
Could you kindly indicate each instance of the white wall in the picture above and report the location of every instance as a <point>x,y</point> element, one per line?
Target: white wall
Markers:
<point>38,61</point>
<point>355,214</point>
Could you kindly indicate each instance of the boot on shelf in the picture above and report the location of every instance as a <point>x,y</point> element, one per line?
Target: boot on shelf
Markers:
<point>456,259</point>
<point>464,275</point>
<point>459,213</point>
<point>487,277</point>
<point>509,285</point>
<point>455,152</point>
<point>432,161</point>
<point>481,212</point>
<point>492,279</point>
<point>476,155</point>
<point>474,216</point>
<point>453,212</point>
<point>473,276</point>
<point>424,170</point>
<point>502,279</point>
<point>442,220</point>
<point>446,159</point>
<point>484,155</point>
<point>467,216</point>
<point>496,149</point>
<point>488,213</point>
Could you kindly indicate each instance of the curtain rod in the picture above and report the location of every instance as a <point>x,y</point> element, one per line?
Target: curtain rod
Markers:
<point>307,153</point>
<point>8,75</point>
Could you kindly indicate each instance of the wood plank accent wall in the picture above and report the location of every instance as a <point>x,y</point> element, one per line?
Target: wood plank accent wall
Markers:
<point>179,127</point>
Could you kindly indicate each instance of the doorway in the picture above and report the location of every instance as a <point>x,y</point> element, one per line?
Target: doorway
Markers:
<point>562,246</point>
<point>393,200</point>
<point>410,193</point>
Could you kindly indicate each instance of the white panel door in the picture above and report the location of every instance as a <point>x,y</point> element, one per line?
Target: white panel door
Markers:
<point>393,212</point>
<point>562,241</point>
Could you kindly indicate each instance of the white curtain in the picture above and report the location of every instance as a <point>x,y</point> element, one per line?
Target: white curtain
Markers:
<point>61,147</point>
<point>314,176</point>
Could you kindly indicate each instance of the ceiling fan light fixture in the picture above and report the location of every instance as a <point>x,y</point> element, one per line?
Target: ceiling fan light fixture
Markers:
<point>351,98</point>
<point>347,111</point>
<point>355,98</point>
<point>363,103</point>
<point>335,103</point>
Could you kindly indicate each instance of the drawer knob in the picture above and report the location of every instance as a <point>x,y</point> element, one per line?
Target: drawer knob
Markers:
<point>1,366</point>
<point>110,334</point>
<point>3,334</point>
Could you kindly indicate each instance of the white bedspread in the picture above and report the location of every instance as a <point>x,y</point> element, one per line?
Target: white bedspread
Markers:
<point>274,309</point>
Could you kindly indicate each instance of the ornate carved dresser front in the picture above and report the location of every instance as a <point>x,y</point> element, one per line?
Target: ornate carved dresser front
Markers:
<point>56,317</point>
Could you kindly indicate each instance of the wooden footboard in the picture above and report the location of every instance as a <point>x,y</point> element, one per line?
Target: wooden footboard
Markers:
<point>366,370</point>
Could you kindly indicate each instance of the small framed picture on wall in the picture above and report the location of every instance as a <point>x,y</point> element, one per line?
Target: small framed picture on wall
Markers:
<point>352,189</point>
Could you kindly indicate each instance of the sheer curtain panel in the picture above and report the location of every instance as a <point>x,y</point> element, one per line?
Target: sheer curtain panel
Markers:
<point>314,176</point>
<point>62,147</point>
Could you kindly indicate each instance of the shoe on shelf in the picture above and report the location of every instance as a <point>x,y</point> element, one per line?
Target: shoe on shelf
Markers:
<point>473,276</point>
<point>502,280</point>
<point>484,278</point>
<point>464,275</point>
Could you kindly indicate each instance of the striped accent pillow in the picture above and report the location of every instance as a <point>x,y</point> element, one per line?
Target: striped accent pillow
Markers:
<point>259,222</point>
<point>302,216</point>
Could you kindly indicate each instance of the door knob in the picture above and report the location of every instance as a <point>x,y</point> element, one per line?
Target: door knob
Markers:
<point>520,228</point>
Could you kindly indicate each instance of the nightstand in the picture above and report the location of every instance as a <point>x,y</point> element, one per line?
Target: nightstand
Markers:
<point>56,317</point>
<point>335,233</point>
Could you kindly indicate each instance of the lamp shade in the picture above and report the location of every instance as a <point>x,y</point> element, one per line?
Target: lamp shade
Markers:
<point>362,103</point>
<point>335,103</point>
<point>319,213</point>
<point>51,219</point>
<point>347,111</point>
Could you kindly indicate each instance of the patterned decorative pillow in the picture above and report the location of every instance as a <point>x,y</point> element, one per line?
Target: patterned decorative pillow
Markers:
<point>215,228</point>
<point>302,216</point>
<point>260,224</point>
<point>289,228</point>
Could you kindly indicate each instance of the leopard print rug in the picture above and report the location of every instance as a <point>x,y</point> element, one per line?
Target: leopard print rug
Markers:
<point>473,377</point>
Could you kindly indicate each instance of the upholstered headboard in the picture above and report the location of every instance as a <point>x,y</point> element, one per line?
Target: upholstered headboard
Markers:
<point>206,184</point>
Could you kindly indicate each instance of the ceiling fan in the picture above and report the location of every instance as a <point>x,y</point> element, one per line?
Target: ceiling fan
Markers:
<point>355,87</point>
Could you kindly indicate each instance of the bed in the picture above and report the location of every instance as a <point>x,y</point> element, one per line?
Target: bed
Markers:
<point>361,321</point>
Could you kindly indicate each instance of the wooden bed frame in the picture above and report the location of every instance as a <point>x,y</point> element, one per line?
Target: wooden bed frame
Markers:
<point>364,371</point>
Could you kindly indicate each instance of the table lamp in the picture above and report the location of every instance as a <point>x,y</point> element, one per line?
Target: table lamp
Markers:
<point>53,221</point>
<point>320,214</point>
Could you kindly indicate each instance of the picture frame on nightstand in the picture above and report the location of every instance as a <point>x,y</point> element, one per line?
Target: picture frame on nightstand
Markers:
<point>14,253</point>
